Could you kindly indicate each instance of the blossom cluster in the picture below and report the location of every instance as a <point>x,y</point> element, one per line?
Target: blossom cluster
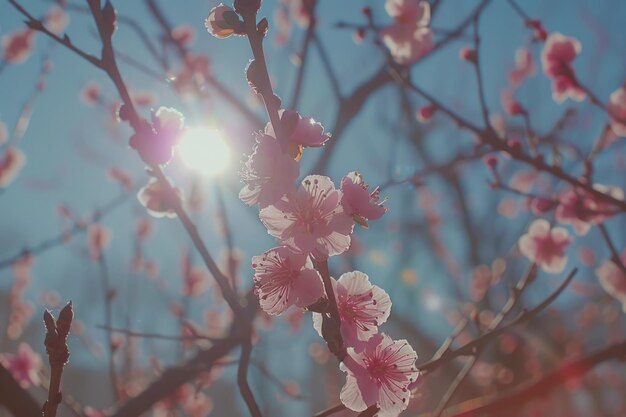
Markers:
<point>312,223</point>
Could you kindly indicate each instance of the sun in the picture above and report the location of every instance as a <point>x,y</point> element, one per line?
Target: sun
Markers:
<point>204,151</point>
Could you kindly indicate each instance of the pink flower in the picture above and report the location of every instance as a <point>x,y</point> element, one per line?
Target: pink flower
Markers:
<point>409,37</point>
<point>56,20</point>
<point>467,54</point>
<point>556,58</point>
<point>617,110</point>
<point>269,173</point>
<point>358,202</point>
<point>90,94</point>
<point>155,142</point>
<point>510,104</point>
<point>299,131</point>
<point>311,220</point>
<point>582,210</point>
<point>222,22</point>
<point>193,76</point>
<point>4,133</point>
<point>98,239</point>
<point>24,366</point>
<point>380,375</point>
<point>362,308</point>
<point>425,113</point>
<point>283,278</point>
<point>155,199</point>
<point>195,279</point>
<point>545,246</point>
<point>184,34</point>
<point>613,280</point>
<point>18,45</point>
<point>10,165</point>
<point>122,177</point>
<point>524,67</point>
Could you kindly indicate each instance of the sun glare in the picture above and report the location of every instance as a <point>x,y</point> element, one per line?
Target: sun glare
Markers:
<point>204,151</point>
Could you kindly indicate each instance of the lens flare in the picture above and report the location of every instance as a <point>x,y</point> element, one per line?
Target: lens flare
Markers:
<point>204,151</point>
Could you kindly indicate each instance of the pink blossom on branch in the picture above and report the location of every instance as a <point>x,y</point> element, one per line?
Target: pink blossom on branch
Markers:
<point>223,22</point>
<point>17,46</point>
<point>617,111</point>
<point>155,142</point>
<point>98,239</point>
<point>363,307</point>
<point>556,58</point>
<point>545,246</point>
<point>582,209</point>
<point>156,200</point>
<point>268,173</point>
<point>358,202</point>
<point>380,375</point>
<point>310,220</point>
<point>524,67</point>
<point>409,37</point>
<point>10,165</point>
<point>24,365</point>
<point>299,131</point>
<point>613,280</point>
<point>283,278</point>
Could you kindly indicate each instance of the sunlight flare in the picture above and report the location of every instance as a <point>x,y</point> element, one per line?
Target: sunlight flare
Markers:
<point>204,151</point>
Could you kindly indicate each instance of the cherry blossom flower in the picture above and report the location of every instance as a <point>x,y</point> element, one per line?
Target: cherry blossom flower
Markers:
<point>613,280</point>
<point>380,375</point>
<point>362,308</point>
<point>299,131</point>
<point>184,34</point>
<point>283,278</point>
<point>358,202</point>
<point>467,54</point>
<point>56,20</point>
<point>18,45</point>
<point>617,110</point>
<point>269,173</point>
<point>91,94</point>
<point>155,143</point>
<point>510,104</point>
<point>545,246</point>
<point>155,199</point>
<point>222,22</point>
<point>194,75</point>
<point>425,113</point>
<point>24,365</point>
<point>556,58</point>
<point>582,209</point>
<point>98,239</point>
<point>311,220</point>
<point>122,177</point>
<point>10,165</point>
<point>4,133</point>
<point>524,67</point>
<point>409,37</point>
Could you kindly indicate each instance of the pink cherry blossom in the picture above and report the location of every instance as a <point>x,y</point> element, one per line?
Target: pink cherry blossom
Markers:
<point>358,202</point>
<point>362,308</point>
<point>425,113</point>
<point>184,34</point>
<point>510,104</point>
<point>269,173</point>
<point>17,46</point>
<point>155,199</point>
<point>311,220</point>
<point>582,209</point>
<point>91,94</point>
<point>10,165</point>
<point>300,131</point>
<point>524,67</point>
<point>122,177</point>
<point>194,75</point>
<point>545,246</point>
<point>24,365</point>
<point>220,21</point>
<point>155,142</point>
<point>98,239</point>
<point>283,278</point>
<point>4,133</point>
<point>409,37</point>
<point>556,58</point>
<point>613,280</point>
<point>617,110</point>
<point>380,375</point>
<point>56,20</point>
